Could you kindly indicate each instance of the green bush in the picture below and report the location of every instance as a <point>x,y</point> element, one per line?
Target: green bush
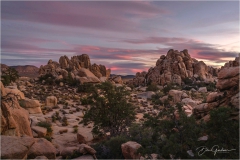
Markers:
<point>211,87</point>
<point>110,110</point>
<point>187,81</point>
<point>48,78</point>
<point>75,129</point>
<point>152,87</point>
<point>75,154</point>
<point>85,88</point>
<point>64,121</point>
<point>9,75</point>
<point>110,149</point>
<point>223,132</point>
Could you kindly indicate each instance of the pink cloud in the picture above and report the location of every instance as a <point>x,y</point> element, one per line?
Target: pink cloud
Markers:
<point>96,15</point>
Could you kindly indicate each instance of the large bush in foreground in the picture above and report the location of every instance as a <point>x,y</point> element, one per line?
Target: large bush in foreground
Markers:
<point>110,110</point>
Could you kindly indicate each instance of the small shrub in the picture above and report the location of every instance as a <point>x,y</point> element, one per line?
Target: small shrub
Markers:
<point>21,103</point>
<point>152,87</point>
<point>75,129</point>
<point>85,101</point>
<point>75,154</point>
<point>86,88</point>
<point>48,78</point>
<point>65,107</point>
<point>187,81</point>
<point>211,87</point>
<point>53,118</point>
<point>64,121</point>
<point>110,149</point>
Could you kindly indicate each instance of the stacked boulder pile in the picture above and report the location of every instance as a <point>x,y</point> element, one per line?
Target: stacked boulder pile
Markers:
<point>174,68</point>
<point>17,139</point>
<point>228,90</point>
<point>78,67</point>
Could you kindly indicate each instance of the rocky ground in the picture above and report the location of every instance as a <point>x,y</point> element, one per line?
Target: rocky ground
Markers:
<point>60,105</point>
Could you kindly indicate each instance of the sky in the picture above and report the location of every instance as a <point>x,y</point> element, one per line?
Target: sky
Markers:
<point>125,36</point>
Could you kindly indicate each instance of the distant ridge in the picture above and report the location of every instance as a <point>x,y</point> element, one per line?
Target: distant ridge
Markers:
<point>24,71</point>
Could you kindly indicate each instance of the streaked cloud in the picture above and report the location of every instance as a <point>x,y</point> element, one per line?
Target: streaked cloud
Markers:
<point>125,36</point>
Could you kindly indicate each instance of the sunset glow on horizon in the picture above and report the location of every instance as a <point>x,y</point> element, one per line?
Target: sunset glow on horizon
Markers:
<point>126,36</point>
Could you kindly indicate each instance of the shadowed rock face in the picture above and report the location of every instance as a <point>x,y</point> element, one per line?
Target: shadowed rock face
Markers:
<point>73,66</point>
<point>14,119</point>
<point>228,90</point>
<point>174,67</point>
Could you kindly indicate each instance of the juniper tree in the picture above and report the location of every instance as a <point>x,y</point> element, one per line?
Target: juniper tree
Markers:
<point>110,110</point>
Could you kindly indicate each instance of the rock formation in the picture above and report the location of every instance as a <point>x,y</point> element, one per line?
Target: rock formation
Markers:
<point>173,68</point>
<point>228,90</point>
<point>129,150</point>
<point>14,119</point>
<point>78,67</point>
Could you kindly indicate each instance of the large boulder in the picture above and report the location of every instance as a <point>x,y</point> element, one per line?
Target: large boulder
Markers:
<point>51,101</point>
<point>32,106</point>
<point>129,150</point>
<point>116,79</point>
<point>15,119</point>
<point>224,84</point>
<point>86,76</point>
<point>176,94</point>
<point>202,89</point>
<point>214,96</point>
<point>15,91</point>
<point>81,138</point>
<point>228,72</point>
<point>42,147</point>
<point>201,69</point>
<point>15,147</point>
<point>3,92</point>
<point>41,131</point>
<point>189,101</point>
<point>86,149</point>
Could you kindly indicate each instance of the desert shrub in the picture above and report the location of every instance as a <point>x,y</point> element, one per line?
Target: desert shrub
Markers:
<point>211,86</point>
<point>53,118</point>
<point>85,87</point>
<point>75,154</point>
<point>187,81</point>
<point>175,136</point>
<point>152,87</point>
<point>110,110</point>
<point>48,78</point>
<point>21,103</point>
<point>86,101</point>
<point>155,98</point>
<point>75,129</point>
<point>9,75</point>
<point>70,81</point>
<point>223,132</point>
<point>110,149</point>
<point>49,138</point>
<point>64,121</point>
